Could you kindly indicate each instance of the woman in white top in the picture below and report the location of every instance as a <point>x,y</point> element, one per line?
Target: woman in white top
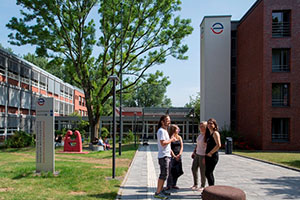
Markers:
<point>199,157</point>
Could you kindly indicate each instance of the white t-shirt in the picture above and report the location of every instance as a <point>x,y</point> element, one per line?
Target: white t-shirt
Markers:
<point>163,134</point>
<point>201,145</point>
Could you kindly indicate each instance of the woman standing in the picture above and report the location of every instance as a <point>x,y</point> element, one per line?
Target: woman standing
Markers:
<point>176,163</point>
<point>199,157</point>
<point>212,138</point>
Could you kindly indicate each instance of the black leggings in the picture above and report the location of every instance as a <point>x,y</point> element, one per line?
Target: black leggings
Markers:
<point>210,164</point>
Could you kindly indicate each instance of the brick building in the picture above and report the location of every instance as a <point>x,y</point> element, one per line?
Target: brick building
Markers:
<point>265,75</point>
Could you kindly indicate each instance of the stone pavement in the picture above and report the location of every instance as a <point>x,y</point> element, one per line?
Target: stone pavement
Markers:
<point>259,180</point>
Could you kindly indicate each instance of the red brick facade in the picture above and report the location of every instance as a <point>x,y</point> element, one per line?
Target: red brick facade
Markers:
<point>255,76</point>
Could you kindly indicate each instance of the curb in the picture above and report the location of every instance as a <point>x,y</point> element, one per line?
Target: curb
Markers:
<point>269,162</point>
<point>119,195</point>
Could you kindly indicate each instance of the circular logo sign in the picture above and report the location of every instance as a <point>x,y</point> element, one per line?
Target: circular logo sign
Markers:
<point>41,101</point>
<point>217,28</point>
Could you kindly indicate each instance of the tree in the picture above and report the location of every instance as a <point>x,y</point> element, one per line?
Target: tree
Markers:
<point>7,49</point>
<point>149,93</point>
<point>147,30</point>
<point>195,103</point>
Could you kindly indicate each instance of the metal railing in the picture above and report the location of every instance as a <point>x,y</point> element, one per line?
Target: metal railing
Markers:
<point>280,68</point>
<point>280,102</point>
<point>281,29</point>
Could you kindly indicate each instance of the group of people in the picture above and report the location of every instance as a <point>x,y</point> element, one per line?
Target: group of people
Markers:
<point>100,142</point>
<point>170,148</point>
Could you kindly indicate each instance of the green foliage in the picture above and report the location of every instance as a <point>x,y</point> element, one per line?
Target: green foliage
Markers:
<point>228,133</point>
<point>149,92</point>
<point>19,139</point>
<point>195,103</point>
<point>7,49</point>
<point>146,32</point>
<point>129,137</point>
<point>104,132</point>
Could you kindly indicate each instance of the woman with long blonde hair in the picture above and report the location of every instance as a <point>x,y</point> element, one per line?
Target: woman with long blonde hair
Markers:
<point>176,152</point>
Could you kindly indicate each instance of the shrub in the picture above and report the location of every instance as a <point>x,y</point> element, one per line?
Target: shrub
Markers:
<point>104,132</point>
<point>130,137</point>
<point>20,139</point>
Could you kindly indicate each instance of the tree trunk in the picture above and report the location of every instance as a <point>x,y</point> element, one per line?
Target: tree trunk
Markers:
<point>94,124</point>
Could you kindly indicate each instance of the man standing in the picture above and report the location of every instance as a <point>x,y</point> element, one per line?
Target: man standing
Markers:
<point>164,155</point>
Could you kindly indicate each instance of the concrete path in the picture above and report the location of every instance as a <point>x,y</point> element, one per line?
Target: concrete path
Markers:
<point>259,180</point>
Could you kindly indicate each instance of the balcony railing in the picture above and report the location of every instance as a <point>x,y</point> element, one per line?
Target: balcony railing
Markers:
<point>280,102</point>
<point>280,68</point>
<point>281,29</point>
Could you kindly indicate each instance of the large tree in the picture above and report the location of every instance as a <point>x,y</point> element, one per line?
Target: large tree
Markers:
<point>149,92</point>
<point>134,34</point>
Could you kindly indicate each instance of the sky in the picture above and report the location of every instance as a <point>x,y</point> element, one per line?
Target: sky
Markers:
<point>184,75</point>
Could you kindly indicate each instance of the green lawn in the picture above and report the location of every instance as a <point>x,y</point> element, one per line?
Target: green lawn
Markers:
<point>81,176</point>
<point>282,158</point>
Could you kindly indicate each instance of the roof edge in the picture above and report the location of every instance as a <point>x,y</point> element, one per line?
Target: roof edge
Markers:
<point>249,11</point>
<point>214,16</point>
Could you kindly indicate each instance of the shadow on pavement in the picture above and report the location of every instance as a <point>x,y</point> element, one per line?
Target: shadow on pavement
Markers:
<point>289,186</point>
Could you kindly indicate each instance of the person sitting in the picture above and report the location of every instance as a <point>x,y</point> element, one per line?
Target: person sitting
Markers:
<point>58,140</point>
<point>95,141</point>
<point>101,143</point>
<point>106,143</point>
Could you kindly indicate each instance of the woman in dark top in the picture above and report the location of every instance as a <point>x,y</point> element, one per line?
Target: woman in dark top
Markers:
<point>176,164</point>
<point>213,141</point>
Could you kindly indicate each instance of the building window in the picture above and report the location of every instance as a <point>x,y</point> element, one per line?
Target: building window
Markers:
<point>280,60</point>
<point>280,129</point>
<point>43,82</point>
<point>2,65</point>
<point>281,24</point>
<point>13,70</point>
<point>35,78</point>
<point>280,94</point>
<point>25,74</point>
<point>80,100</point>
<point>62,90</point>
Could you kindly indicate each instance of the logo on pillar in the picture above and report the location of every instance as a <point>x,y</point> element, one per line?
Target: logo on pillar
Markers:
<point>41,101</point>
<point>217,28</point>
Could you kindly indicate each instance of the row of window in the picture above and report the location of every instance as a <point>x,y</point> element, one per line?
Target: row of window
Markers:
<point>39,80</point>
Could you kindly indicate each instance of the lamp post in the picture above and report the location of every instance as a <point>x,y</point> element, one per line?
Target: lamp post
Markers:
<point>114,79</point>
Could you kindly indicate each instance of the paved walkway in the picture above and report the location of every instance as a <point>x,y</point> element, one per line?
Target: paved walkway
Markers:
<point>259,180</point>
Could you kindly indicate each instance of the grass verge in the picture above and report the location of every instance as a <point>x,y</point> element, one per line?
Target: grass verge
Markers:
<point>289,159</point>
<point>81,176</point>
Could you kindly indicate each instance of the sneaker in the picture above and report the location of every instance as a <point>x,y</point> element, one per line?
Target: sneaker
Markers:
<point>160,196</point>
<point>175,187</point>
<point>166,193</point>
<point>200,189</point>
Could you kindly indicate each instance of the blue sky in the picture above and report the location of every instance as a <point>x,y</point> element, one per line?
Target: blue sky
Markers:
<point>184,75</point>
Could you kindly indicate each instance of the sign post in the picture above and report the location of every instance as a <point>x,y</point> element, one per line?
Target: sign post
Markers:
<point>45,135</point>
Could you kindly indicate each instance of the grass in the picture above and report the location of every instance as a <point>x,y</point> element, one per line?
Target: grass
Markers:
<point>81,176</point>
<point>283,158</point>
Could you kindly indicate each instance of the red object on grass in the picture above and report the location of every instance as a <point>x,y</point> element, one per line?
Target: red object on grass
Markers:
<point>71,145</point>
